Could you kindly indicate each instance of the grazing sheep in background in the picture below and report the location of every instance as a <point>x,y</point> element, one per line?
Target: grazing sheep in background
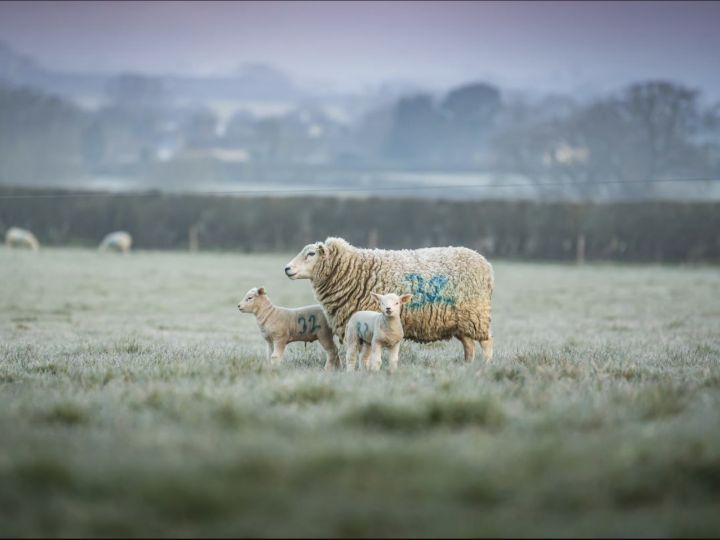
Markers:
<point>367,332</point>
<point>451,287</point>
<point>280,326</point>
<point>117,241</point>
<point>21,238</point>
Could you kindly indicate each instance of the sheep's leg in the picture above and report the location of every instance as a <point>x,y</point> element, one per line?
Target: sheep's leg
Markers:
<point>351,356</point>
<point>269,349</point>
<point>366,356</point>
<point>278,352</point>
<point>376,356</point>
<point>393,357</point>
<point>351,350</point>
<point>469,347</point>
<point>333,360</point>
<point>487,348</point>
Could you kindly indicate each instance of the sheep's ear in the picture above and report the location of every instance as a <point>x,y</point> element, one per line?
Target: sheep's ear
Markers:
<point>376,296</point>
<point>405,298</point>
<point>261,290</point>
<point>321,247</point>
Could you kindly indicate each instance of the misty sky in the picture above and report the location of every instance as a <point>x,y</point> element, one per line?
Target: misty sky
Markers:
<point>548,46</point>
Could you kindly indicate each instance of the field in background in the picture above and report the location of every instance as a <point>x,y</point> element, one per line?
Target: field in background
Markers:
<point>135,400</point>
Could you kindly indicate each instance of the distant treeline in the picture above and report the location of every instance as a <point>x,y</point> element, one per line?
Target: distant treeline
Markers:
<point>139,135</point>
<point>646,231</point>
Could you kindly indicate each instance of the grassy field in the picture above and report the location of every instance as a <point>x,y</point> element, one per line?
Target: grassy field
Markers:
<point>135,400</point>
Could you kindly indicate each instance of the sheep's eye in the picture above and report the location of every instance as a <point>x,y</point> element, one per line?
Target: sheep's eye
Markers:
<point>311,254</point>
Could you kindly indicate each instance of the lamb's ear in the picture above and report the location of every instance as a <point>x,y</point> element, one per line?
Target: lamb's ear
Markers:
<point>261,290</point>
<point>321,247</point>
<point>405,298</point>
<point>376,296</point>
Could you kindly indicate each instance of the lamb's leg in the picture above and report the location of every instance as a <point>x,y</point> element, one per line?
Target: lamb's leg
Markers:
<point>278,352</point>
<point>469,347</point>
<point>366,356</point>
<point>487,349</point>
<point>269,349</point>
<point>393,357</point>
<point>351,351</point>
<point>376,356</point>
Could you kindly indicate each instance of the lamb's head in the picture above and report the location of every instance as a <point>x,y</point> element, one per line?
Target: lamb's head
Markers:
<point>252,300</point>
<point>304,264</point>
<point>391,303</point>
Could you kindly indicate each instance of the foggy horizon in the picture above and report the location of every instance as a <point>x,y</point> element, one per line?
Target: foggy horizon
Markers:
<point>357,46</point>
<point>546,100</point>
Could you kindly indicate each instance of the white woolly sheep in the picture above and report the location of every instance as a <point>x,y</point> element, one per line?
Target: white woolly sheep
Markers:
<point>21,238</point>
<point>367,332</point>
<point>451,287</point>
<point>117,241</point>
<point>280,326</point>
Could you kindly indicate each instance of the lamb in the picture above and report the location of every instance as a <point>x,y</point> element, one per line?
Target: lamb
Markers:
<point>117,241</point>
<point>451,287</point>
<point>16,237</point>
<point>280,326</point>
<point>370,331</point>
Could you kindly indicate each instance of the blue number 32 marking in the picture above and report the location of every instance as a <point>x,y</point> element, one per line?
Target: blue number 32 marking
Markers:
<point>428,291</point>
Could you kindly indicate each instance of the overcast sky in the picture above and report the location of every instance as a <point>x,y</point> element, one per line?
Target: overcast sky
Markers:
<point>549,46</point>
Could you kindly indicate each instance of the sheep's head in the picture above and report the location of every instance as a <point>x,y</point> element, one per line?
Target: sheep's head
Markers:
<point>391,303</point>
<point>303,265</point>
<point>252,299</point>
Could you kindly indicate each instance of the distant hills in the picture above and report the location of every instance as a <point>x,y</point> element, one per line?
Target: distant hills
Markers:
<point>22,70</point>
<point>249,82</point>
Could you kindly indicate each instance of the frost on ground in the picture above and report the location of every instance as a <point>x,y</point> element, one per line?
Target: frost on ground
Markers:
<point>136,400</point>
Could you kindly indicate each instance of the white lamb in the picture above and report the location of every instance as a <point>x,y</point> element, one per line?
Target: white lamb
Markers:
<point>280,326</point>
<point>367,332</point>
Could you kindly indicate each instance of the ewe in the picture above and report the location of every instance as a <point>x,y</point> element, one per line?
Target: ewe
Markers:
<point>451,288</point>
<point>117,241</point>
<point>21,238</point>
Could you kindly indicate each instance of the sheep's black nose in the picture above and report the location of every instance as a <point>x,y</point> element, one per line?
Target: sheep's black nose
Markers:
<point>287,269</point>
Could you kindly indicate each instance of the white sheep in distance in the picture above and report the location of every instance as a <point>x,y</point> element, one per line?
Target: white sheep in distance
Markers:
<point>280,326</point>
<point>16,237</point>
<point>117,241</point>
<point>367,332</point>
<point>451,287</point>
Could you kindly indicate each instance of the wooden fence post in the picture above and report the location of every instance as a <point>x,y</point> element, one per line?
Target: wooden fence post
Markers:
<point>193,238</point>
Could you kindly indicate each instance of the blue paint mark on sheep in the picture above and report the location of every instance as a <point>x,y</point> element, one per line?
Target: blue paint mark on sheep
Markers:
<point>428,291</point>
<point>363,335</point>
